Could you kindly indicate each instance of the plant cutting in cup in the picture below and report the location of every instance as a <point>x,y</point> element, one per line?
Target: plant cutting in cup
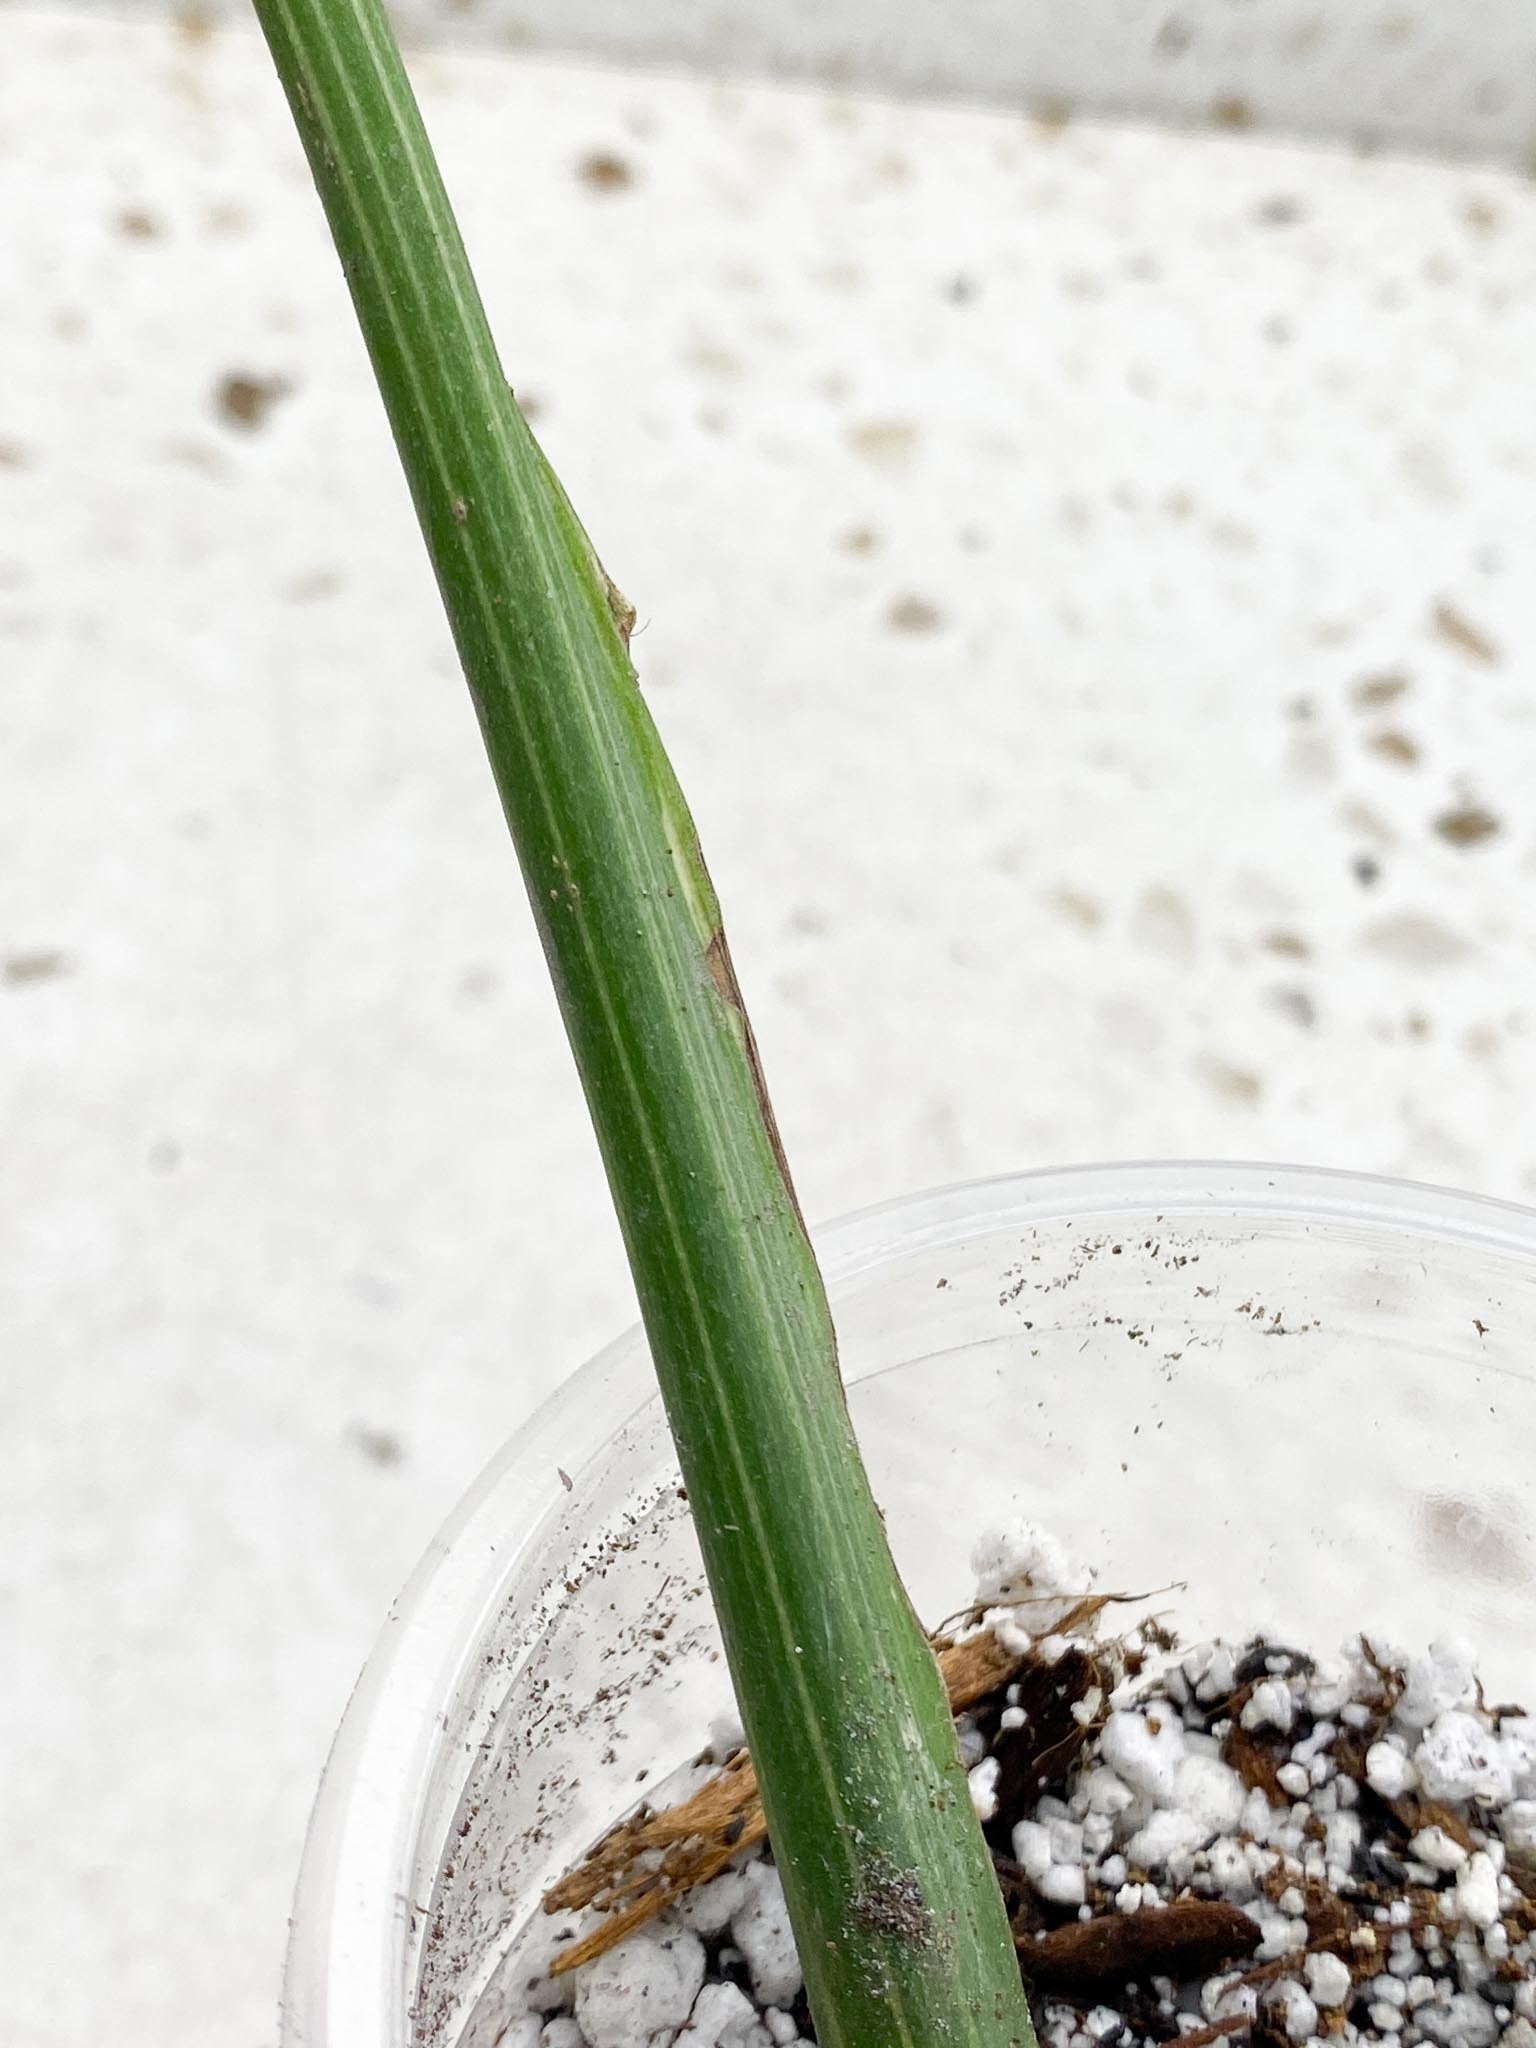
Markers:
<point>920,1862</point>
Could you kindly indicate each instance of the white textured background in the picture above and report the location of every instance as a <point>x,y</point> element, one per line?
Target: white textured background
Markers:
<point>1085,583</point>
<point>1440,74</point>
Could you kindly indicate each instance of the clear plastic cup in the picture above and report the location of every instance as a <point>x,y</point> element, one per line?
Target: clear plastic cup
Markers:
<point>1296,1401</point>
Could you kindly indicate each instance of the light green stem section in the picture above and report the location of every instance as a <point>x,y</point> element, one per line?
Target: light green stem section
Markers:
<point>900,1921</point>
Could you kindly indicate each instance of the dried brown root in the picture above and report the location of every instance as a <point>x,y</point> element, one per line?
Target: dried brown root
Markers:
<point>1190,1938</point>
<point>652,1860</point>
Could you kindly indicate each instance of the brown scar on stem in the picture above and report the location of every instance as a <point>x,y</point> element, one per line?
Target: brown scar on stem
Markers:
<point>619,607</point>
<point>723,974</point>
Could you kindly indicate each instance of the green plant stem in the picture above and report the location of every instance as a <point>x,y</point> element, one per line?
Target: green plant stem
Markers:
<point>899,1918</point>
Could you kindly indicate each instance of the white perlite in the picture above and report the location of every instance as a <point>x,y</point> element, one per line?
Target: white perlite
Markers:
<point>1153,1812</point>
<point>983,1788</point>
<point>724,2017</point>
<point>1026,1584</point>
<point>640,1993</point>
<point>761,1930</point>
<point>1402,1801</point>
<point>709,1909</point>
<point>1328,1980</point>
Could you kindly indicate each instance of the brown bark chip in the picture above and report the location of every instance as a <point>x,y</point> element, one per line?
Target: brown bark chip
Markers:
<point>1188,1939</point>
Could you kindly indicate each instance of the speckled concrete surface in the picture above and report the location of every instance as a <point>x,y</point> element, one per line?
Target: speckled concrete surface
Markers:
<point>1411,73</point>
<point>1083,579</point>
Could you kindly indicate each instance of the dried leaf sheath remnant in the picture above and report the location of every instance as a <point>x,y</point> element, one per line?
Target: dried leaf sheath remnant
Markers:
<point>651,1860</point>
